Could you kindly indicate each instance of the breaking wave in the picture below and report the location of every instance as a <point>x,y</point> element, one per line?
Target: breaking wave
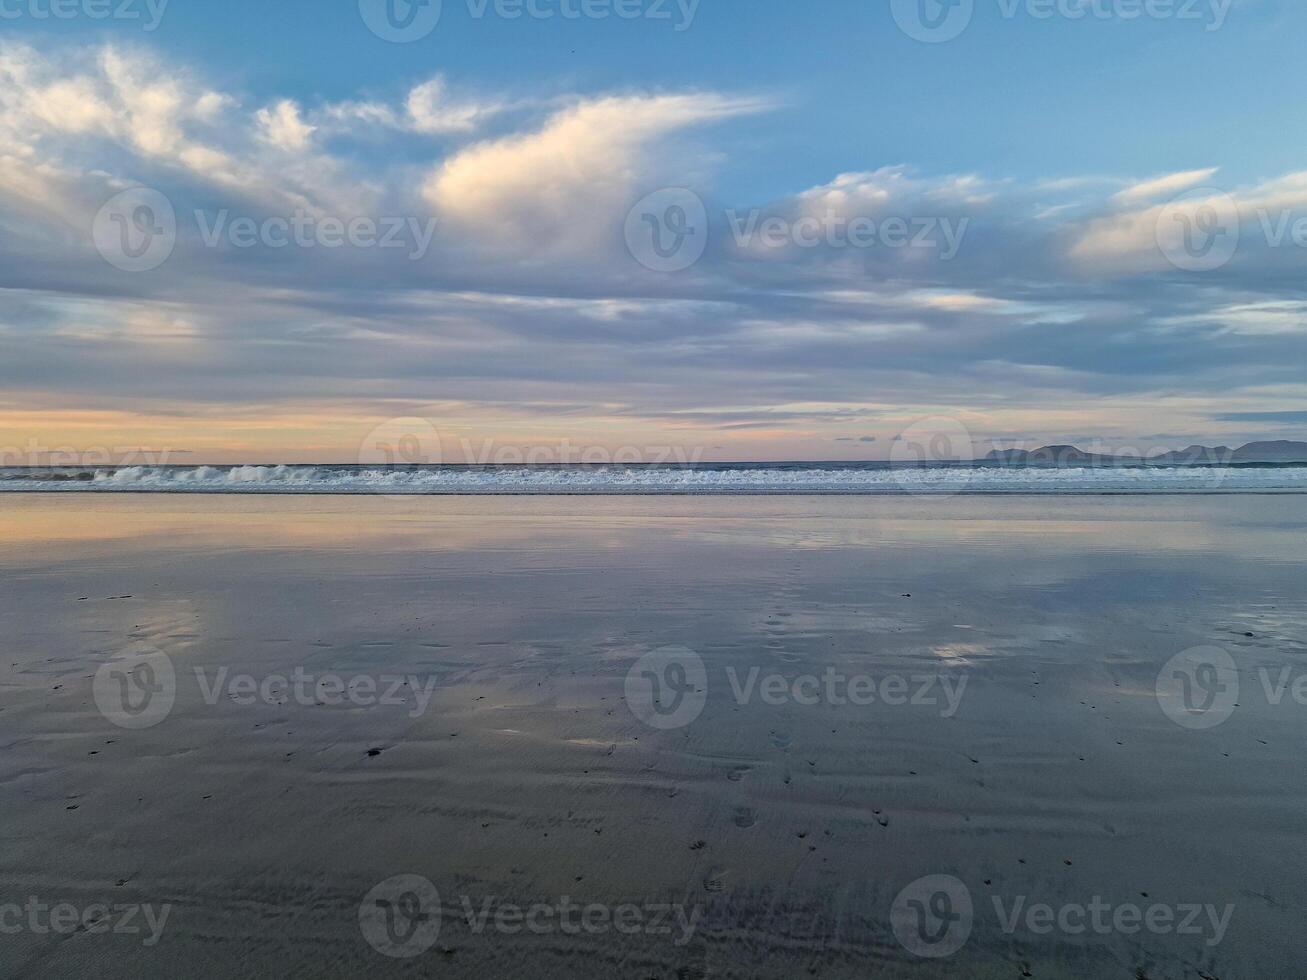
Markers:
<point>846,478</point>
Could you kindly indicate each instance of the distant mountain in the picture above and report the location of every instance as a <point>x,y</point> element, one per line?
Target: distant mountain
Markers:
<point>1282,451</point>
<point>1199,456</point>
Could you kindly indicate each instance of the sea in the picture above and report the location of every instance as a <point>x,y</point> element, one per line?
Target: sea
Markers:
<point>696,478</point>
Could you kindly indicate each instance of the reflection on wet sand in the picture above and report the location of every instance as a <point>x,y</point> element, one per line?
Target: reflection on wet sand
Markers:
<point>891,689</point>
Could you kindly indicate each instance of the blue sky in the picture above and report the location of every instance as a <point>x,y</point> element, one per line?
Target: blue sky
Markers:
<point>1020,96</point>
<point>1050,137</point>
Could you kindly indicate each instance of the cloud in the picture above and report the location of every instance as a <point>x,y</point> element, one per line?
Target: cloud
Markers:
<point>127,97</point>
<point>1056,312</point>
<point>1252,319</point>
<point>430,110</point>
<point>282,126</point>
<point>1146,239</point>
<point>561,185</point>
<point>75,110</point>
<point>1290,418</point>
<point>1163,186</point>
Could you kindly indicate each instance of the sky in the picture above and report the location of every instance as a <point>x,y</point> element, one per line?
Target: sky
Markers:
<point>647,229</point>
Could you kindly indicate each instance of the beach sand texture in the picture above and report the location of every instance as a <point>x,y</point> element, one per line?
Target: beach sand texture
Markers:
<point>787,828</point>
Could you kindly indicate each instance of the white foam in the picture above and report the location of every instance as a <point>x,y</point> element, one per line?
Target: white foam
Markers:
<point>795,478</point>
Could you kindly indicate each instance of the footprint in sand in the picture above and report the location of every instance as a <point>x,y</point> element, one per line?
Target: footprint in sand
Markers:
<point>716,880</point>
<point>744,817</point>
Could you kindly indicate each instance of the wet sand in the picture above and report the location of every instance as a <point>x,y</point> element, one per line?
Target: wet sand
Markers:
<point>785,827</point>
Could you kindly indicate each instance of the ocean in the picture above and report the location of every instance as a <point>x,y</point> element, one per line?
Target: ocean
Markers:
<point>700,478</point>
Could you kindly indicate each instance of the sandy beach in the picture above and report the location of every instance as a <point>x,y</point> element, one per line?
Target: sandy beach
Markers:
<point>416,737</point>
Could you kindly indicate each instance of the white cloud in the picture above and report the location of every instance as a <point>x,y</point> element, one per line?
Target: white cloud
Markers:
<point>73,105</point>
<point>564,184</point>
<point>57,111</point>
<point>1121,242</point>
<point>150,108</point>
<point>283,126</point>
<point>876,192</point>
<point>1272,318</point>
<point>127,97</point>
<point>430,110</point>
<point>1166,186</point>
<point>1132,241</point>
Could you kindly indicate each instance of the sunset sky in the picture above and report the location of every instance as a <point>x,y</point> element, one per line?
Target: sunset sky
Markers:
<point>1025,260</point>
